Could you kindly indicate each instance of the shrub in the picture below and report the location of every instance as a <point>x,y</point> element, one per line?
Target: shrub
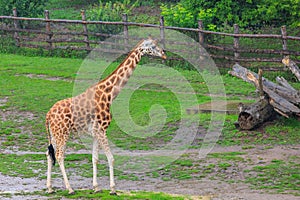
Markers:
<point>219,14</point>
<point>109,11</point>
<point>25,8</point>
<point>178,15</point>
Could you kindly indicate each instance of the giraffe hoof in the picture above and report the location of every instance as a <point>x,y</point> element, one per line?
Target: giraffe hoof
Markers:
<point>71,192</point>
<point>113,193</point>
<point>50,191</point>
<point>98,191</point>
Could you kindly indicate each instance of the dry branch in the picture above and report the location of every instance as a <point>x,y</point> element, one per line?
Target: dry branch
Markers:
<point>281,81</point>
<point>260,84</point>
<point>292,66</point>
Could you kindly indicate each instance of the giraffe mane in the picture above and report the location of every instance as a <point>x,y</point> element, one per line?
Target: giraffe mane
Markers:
<point>128,55</point>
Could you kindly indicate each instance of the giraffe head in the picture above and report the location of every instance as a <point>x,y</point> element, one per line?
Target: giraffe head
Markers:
<point>149,47</point>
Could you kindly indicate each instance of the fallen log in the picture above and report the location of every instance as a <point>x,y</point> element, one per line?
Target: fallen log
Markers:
<point>255,114</point>
<point>292,95</point>
<point>283,98</point>
<point>292,66</point>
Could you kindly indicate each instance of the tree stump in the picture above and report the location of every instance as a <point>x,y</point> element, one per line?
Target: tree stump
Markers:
<point>255,114</point>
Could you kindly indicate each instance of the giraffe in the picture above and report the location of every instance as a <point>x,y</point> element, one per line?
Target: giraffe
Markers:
<point>89,113</point>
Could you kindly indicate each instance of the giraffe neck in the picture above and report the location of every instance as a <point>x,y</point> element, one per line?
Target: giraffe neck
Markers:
<point>117,80</point>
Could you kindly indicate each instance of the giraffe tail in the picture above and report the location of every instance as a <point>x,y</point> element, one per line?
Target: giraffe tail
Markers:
<point>52,153</point>
<point>51,150</point>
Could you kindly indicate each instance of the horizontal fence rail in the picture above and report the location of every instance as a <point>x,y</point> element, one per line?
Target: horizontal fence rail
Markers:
<point>52,34</point>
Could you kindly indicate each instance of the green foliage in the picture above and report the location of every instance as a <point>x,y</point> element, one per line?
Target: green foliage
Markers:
<point>25,8</point>
<point>178,15</point>
<point>8,46</point>
<point>279,12</point>
<point>219,14</point>
<point>109,11</point>
<point>66,9</point>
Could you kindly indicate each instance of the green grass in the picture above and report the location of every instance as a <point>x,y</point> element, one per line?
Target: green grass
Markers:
<point>282,176</point>
<point>233,156</point>
<point>28,91</point>
<point>224,165</point>
<point>89,194</point>
<point>24,166</point>
<point>280,131</point>
<point>30,95</point>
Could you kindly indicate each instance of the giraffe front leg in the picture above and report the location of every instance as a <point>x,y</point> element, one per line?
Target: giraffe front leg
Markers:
<point>95,158</point>
<point>111,172</point>
<point>49,171</point>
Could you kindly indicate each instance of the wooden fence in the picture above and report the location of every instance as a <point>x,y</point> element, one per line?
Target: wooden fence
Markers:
<point>76,35</point>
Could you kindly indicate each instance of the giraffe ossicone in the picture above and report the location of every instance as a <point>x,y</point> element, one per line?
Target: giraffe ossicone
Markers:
<point>89,113</point>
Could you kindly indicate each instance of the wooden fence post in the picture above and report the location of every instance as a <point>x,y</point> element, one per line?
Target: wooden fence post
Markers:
<point>48,28</point>
<point>50,42</point>
<point>201,40</point>
<point>85,30</point>
<point>16,25</point>
<point>236,41</point>
<point>125,29</point>
<point>284,40</point>
<point>200,34</point>
<point>162,31</point>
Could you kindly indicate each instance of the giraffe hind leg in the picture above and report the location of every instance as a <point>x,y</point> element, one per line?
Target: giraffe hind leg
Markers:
<point>102,139</point>
<point>49,171</point>
<point>60,159</point>
<point>95,158</point>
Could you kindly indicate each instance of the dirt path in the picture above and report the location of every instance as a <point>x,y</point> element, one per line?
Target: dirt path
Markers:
<point>211,189</point>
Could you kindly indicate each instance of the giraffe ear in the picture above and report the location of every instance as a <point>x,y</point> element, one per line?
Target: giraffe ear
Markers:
<point>155,42</point>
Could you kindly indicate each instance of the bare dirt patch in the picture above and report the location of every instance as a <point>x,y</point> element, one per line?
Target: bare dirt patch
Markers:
<point>228,107</point>
<point>16,115</point>
<point>212,187</point>
<point>14,129</point>
<point>3,101</point>
<point>45,77</point>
